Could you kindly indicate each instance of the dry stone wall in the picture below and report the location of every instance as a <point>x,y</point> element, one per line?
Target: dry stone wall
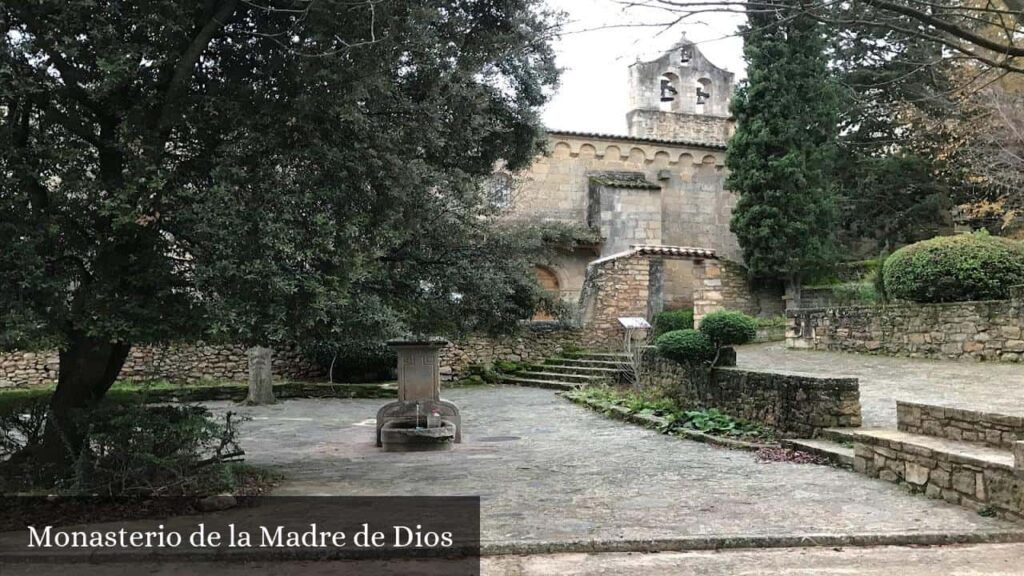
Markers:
<point>533,343</point>
<point>182,363</point>
<point>795,405</point>
<point>955,478</point>
<point>997,430</point>
<point>989,330</point>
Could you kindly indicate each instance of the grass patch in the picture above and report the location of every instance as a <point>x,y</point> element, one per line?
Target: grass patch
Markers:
<point>709,421</point>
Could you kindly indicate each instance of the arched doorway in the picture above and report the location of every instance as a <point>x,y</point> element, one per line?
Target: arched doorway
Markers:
<point>549,282</point>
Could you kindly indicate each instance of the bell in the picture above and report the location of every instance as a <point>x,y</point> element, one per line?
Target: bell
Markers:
<point>668,91</point>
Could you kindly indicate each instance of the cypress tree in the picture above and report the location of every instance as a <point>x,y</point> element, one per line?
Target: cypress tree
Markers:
<point>781,157</point>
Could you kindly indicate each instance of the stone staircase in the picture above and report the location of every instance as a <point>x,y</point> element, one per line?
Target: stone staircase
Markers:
<point>964,457</point>
<point>572,371</point>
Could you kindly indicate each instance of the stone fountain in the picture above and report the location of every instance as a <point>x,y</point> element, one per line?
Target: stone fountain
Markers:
<point>419,420</point>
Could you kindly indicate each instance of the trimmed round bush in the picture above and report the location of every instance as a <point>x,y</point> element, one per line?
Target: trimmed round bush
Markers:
<point>670,320</point>
<point>728,328</point>
<point>687,346</point>
<point>955,269</point>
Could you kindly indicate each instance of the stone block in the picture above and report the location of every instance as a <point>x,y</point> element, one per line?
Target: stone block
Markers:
<point>964,482</point>
<point>916,474</point>
<point>939,477</point>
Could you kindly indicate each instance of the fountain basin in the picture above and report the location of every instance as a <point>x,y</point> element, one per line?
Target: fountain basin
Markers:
<point>403,435</point>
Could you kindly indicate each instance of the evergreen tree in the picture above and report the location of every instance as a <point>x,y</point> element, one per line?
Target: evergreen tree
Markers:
<point>258,172</point>
<point>781,157</point>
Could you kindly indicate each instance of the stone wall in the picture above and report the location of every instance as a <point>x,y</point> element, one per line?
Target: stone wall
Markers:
<point>533,343</point>
<point>990,330</point>
<point>679,126</point>
<point>174,362</point>
<point>955,478</point>
<point>615,288</point>
<point>998,430</point>
<point>795,405</point>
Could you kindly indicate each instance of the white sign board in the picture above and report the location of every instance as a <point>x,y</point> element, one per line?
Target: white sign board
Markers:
<point>634,323</point>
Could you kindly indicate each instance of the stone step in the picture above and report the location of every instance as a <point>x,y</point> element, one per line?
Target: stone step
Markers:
<point>584,363</point>
<point>534,383</point>
<point>838,454</point>
<point>933,447</point>
<point>606,356</point>
<point>978,477</point>
<point>562,377</point>
<point>957,423</point>
<point>842,436</point>
<point>569,369</point>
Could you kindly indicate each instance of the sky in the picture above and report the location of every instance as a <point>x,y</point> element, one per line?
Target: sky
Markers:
<point>593,92</point>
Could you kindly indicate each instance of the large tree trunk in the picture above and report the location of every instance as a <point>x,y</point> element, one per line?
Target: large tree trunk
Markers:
<point>88,367</point>
<point>261,385</point>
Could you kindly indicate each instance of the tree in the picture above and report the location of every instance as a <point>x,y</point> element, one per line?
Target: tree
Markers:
<point>257,171</point>
<point>780,158</point>
<point>954,25</point>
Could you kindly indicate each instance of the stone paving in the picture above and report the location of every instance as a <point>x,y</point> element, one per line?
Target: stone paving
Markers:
<point>984,386</point>
<point>550,471</point>
<point>978,560</point>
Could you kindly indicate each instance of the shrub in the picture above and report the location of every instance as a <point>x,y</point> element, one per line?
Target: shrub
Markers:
<point>507,366</point>
<point>955,269</point>
<point>728,328</point>
<point>670,320</point>
<point>686,346</point>
<point>131,450</point>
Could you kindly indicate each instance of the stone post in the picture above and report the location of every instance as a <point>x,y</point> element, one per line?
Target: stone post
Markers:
<point>1018,458</point>
<point>261,385</point>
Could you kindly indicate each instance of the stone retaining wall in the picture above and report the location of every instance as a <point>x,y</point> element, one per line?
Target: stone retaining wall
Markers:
<point>990,330</point>
<point>182,363</point>
<point>998,430</point>
<point>955,478</point>
<point>534,342</point>
<point>795,405</point>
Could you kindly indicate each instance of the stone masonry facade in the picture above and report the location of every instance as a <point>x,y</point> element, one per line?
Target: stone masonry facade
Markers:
<point>181,363</point>
<point>533,343</point>
<point>955,478</point>
<point>794,405</point>
<point>988,330</point>
<point>996,430</point>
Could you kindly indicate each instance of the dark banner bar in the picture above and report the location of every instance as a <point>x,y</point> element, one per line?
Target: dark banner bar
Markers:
<point>363,535</point>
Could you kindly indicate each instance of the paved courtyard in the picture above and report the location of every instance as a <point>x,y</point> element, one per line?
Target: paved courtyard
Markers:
<point>986,386</point>
<point>550,471</point>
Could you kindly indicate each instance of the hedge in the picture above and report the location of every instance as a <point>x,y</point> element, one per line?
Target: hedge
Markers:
<point>955,269</point>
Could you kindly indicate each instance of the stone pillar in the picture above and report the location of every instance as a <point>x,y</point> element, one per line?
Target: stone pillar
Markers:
<point>403,425</point>
<point>1018,458</point>
<point>419,368</point>
<point>261,385</point>
<point>707,290</point>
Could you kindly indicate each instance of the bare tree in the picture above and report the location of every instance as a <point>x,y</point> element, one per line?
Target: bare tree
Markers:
<point>988,32</point>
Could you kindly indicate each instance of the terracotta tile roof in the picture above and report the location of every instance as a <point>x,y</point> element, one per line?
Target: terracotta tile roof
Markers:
<point>604,136</point>
<point>658,250</point>
<point>685,251</point>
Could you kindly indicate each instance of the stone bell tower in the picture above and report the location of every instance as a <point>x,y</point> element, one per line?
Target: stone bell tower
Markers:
<point>680,96</point>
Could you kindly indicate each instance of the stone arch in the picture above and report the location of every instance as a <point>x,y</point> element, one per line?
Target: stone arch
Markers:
<point>550,282</point>
<point>668,91</point>
<point>637,156</point>
<point>709,159</point>
<point>703,95</point>
<point>587,151</point>
<point>561,150</point>
<point>613,153</point>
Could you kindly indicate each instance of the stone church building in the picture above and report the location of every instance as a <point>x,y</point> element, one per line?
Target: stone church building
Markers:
<point>662,183</point>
